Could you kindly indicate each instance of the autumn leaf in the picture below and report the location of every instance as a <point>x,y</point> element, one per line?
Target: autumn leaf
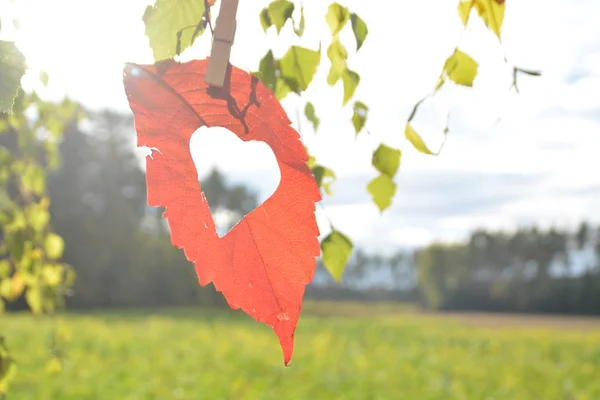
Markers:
<point>264,262</point>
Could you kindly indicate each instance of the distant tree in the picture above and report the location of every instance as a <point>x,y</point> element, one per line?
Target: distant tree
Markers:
<point>229,203</point>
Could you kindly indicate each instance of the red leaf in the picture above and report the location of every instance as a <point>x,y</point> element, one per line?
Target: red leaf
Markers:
<point>263,264</point>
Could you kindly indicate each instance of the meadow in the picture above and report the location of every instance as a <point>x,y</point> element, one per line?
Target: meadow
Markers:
<point>343,351</point>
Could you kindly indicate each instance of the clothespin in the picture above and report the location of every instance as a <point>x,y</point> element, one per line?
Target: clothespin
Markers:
<point>223,35</point>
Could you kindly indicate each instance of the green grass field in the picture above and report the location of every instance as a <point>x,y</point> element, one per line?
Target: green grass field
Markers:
<point>342,352</point>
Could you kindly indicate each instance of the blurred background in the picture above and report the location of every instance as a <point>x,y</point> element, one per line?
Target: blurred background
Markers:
<point>481,281</point>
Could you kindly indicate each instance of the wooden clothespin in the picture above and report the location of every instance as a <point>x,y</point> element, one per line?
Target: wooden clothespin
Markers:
<point>222,41</point>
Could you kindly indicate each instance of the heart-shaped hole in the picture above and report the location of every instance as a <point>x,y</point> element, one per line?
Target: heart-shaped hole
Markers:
<point>236,175</point>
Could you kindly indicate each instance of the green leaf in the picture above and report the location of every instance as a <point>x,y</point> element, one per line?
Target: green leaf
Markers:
<point>359,117</point>
<point>167,19</point>
<point>464,9</point>
<point>309,111</point>
<point>300,30</point>
<point>282,89</point>
<point>298,66</point>
<point>383,189</point>
<point>324,177</point>
<point>70,277</point>
<point>15,243</point>
<point>44,78</point>
<point>336,17</point>
<point>312,161</point>
<point>54,246</point>
<point>12,69</point>
<point>360,29</point>
<point>386,160</point>
<point>337,54</point>
<point>37,216</point>
<point>266,69</point>
<point>336,249</point>
<point>414,138</point>
<point>461,68</point>
<point>33,179</point>
<point>351,80</point>
<point>265,19</point>
<point>279,12</point>
<point>5,268</point>
<point>492,14</point>
<point>34,298</point>
<point>52,274</point>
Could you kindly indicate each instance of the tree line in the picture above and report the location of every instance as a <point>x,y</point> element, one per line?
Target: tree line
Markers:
<point>121,251</point>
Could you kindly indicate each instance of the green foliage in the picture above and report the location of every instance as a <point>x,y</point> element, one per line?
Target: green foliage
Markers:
<point>311,115</point>
<point>172,26</point>
<point>461,68</point>
<point>12,69</point>
<point>30,250</point>
<point>294,72</point>
<point>493,270</point>
<point>336,250</point>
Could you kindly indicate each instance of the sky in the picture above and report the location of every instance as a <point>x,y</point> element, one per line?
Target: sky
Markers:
<point>510,159</point>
